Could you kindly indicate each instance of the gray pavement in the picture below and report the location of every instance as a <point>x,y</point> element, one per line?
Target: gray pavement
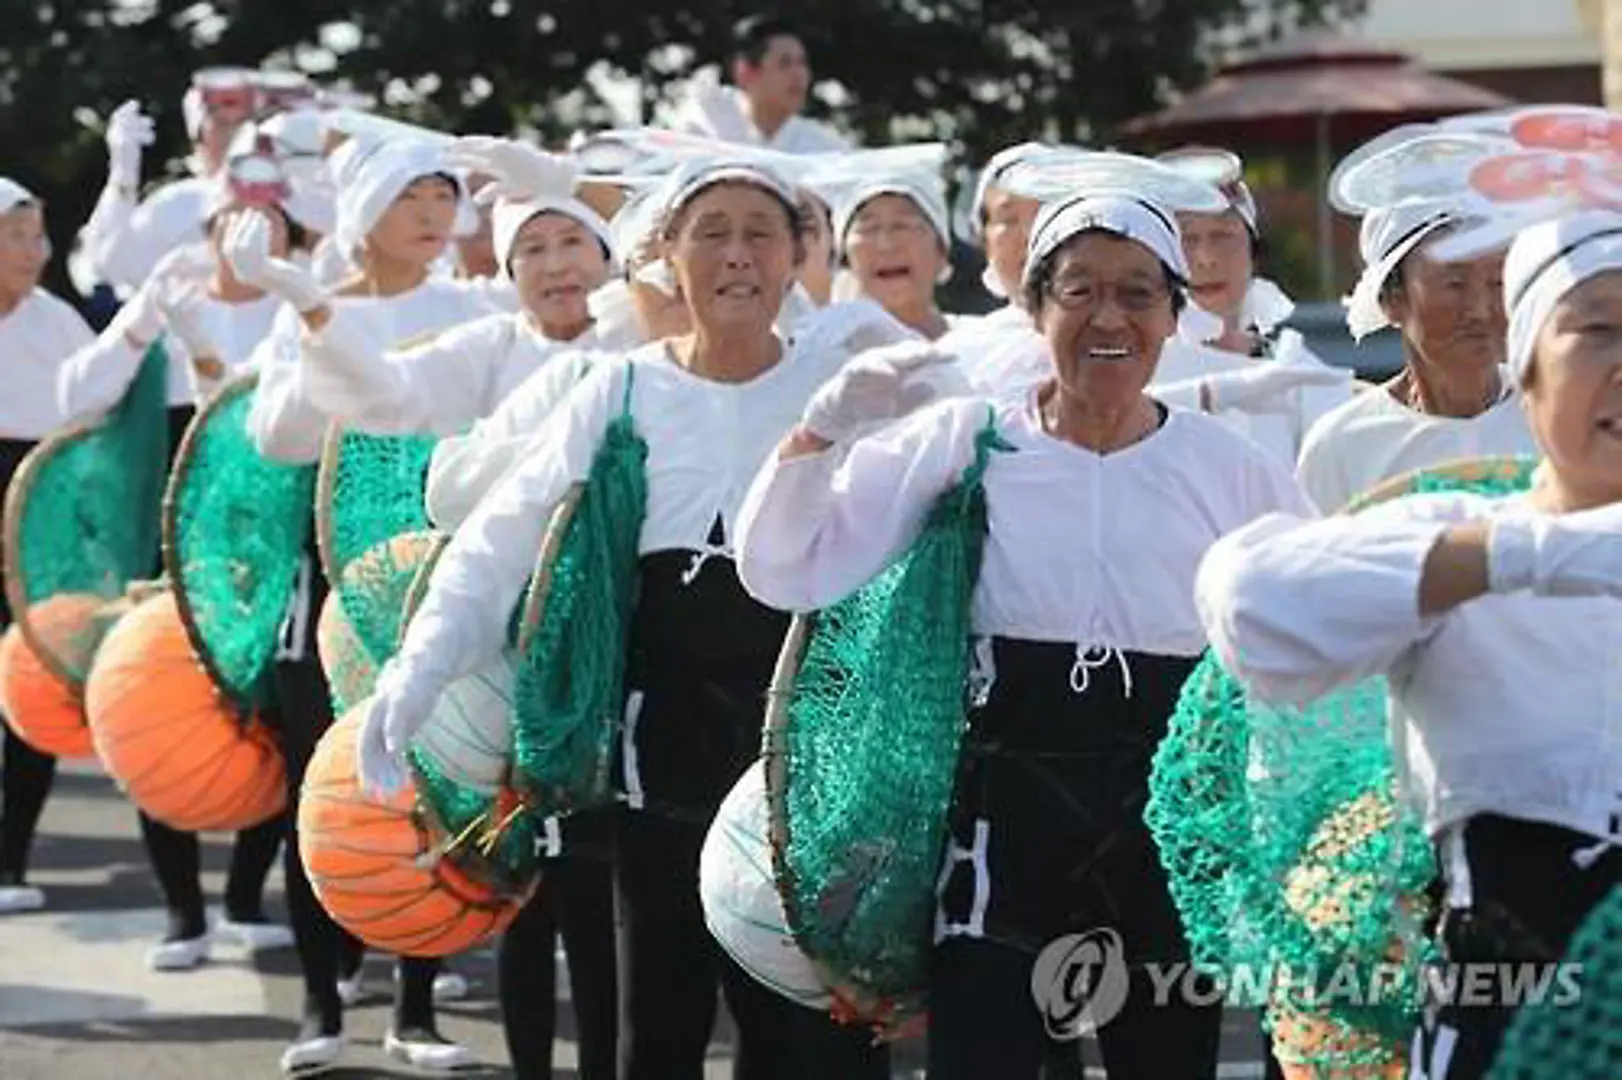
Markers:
<point>77,1002</point>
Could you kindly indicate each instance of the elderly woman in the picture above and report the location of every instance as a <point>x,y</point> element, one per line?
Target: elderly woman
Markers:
<point>398,204</point>
<point>894,235</point>
<point>1098,516</point>
<point>37,332</point>
<point>1452,398</point>
<point>1496,623</point>
<point>711,405</point>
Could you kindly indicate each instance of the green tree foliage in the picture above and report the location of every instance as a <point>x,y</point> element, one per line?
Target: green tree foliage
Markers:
<point>977,73</point>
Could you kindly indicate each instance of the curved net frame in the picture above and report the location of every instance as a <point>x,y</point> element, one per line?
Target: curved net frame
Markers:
<point>235,525</point>
<point>863,730</point>
<point>1290,851</point>
<point>81,514</point>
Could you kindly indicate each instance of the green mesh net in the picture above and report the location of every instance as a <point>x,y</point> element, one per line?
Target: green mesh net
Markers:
<point>235,525</point>
<point>573,632</point>
<point>1290,853</point>
<point>81,514</point>
<point>373,533</point>
<point>1581,1039</point>
<point>861,751</point>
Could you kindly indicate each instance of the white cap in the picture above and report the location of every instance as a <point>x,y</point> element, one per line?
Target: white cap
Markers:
<point>13,194</point>
<point>1119,213</point>
<point>1388,235</point>
<point>510,216</point>
<point>376,174</point>
<point>1545,263</point>
<point>923,190</point>
<point>692,178</point>
<point>1000,162</point>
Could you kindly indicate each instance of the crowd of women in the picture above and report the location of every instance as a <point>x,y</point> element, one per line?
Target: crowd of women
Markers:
<point>756,301</point>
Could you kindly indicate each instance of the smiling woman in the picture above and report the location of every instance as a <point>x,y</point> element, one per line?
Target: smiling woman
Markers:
<point>1099,504</point>
<point>894,235</point>
<point>1496,620</point>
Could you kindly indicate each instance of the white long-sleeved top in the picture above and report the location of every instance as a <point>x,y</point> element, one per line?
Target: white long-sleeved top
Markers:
<point>718,112</point>
<point>705,442</point>
<point>1508,704</point>
<point>1374,437</point>
<point>465,468</point>
<point>1095,550</point>
<point>284,422</point>
<point>123,241</point>
<point>95,377</point>
<point>441,386</point>
<point>35,339</point>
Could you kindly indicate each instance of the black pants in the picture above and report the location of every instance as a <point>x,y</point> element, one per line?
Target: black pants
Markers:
<point>26,776</point>
<point>1526,898</point>
<point>576,899</point>
<point>982,1023</point>
<point>302,713</point>
<point>176,857</point>
<point>670,968</point>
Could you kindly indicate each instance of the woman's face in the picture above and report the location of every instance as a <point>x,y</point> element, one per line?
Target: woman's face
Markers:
<point>735,253</point>
<point>1106,312</point>
<point>1574,396</point>
<point>895,254</point>
<point>1451,313</point>
<point>24,249</point>
<point>817,272</point>
<point>1218,250</point>
<point>556,263</point>
<point>416,228</point>
<point>1008,220</point>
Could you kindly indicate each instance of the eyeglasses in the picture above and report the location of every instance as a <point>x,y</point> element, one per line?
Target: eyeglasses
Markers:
<point>1089,297</point>
<point>904,228</point>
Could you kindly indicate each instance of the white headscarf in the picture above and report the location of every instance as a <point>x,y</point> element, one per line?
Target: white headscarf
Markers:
<point>1120,213</point>
<point>13,194</point>
<point>923,190</point>
<point>1545,263</point>
<point>374,174</point>
<point>511,215</point>
<point>1387,236</point>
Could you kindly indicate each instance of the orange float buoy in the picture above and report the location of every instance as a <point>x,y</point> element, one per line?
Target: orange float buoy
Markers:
<point>378,868</point>
<point>380,580</point>
<point>168,735</point>
<point>45,711</point>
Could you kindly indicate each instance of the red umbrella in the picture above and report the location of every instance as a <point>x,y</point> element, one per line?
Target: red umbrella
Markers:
<point>1315,86</point>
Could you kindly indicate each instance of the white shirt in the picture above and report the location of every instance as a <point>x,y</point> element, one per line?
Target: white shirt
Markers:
<point>1509,704</point>
<point>705,442</point>
<point>1373,438</point>
<point>464,468</point>
<point>96,377</point>
<point>285,423</point>
<point>1095,550</point>
<point>719,112</point>
<point>440,386</point>
<point>35,339</point>
<point>123,241</point>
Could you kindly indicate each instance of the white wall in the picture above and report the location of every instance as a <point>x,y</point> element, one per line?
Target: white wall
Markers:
<point>1454,34</point>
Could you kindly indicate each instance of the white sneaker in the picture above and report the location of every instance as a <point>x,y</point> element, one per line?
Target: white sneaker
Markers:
<point>449,986</point>
<point>255,936</point>
<point>20,898</point>
<point>182,955</point>
<point>429,1053</point>
<point>310,1056</point>
<point>352,989</point>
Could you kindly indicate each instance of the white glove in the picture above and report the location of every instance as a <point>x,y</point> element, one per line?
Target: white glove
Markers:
<point>1265,385</point>
<point>521,171</point>
<point>1576,554</point>
<point>397,712</point>
<point>128,130</point>
<point>182,303</point>
<point>141,319</point>
<point>247,249</point>
<point>878,385</point>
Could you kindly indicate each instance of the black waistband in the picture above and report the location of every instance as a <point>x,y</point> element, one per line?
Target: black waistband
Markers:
<point>692,612</point>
